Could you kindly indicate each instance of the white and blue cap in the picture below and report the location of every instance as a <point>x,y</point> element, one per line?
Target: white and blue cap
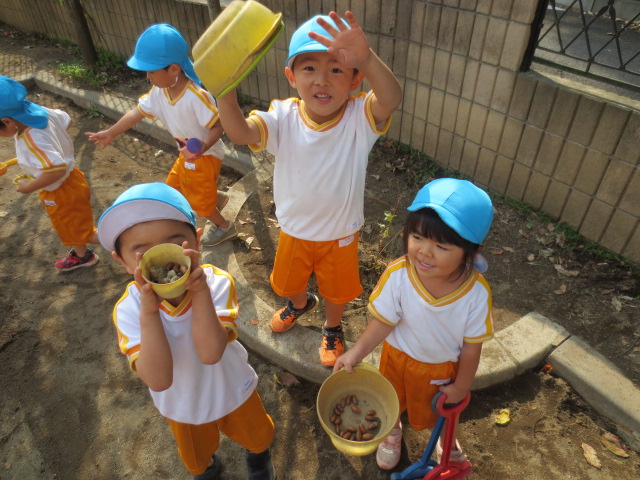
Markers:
<point>159,46</point>
<point>142,203</point>
<point>465,208</point>
<point>13,104</point>
<point>301,42</point>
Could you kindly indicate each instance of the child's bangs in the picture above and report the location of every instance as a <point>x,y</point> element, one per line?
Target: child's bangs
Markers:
<point>427,223</point>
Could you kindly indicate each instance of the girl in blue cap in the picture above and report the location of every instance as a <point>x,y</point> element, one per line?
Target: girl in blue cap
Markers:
<point>187,111</point>
<point>45,152</point>
<point>431,308</point>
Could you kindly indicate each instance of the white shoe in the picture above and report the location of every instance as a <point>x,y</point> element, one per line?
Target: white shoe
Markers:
<point>213,237</point>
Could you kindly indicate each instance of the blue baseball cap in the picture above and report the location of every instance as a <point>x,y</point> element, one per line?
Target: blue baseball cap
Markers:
<point>301,42</point>
<point>159,46</point>
<point>13,104</point>
<point>142,203</point>
<point>460,204</point>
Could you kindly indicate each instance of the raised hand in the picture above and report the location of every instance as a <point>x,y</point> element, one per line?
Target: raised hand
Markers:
<point>348,45</point>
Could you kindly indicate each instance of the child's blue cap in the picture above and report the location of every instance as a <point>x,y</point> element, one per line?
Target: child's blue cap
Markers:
<point>301,42</point>
<point>13,104</point>
<point>142,203</point>
<point>158,47</point>
<point>460,204</point>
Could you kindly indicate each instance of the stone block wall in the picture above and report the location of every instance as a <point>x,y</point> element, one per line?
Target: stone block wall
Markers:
<point>555,145</point>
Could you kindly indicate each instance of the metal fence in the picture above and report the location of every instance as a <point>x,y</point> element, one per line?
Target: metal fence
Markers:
<point>589,38</point>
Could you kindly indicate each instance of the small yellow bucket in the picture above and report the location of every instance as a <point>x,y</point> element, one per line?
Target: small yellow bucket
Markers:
<point>234,44</point>
<point>22,177</point>
<point>161,255</point>
<point>373,392</point>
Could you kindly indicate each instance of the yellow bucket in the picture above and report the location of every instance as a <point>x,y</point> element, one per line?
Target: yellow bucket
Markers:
<point>161,255</point>
<point>373,391</point>
<point>234,44</point>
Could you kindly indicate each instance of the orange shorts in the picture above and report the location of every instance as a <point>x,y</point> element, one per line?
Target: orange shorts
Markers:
<point>197,181</point>
<point>249,426</point>
<point>69,209</point>
<point>335,264</point>
<point>416,383</point>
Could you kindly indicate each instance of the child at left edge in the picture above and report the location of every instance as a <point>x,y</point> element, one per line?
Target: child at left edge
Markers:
<point>431,308</point>
<point>187,111</point>
<point>45,151</point>
<point>185,349</point>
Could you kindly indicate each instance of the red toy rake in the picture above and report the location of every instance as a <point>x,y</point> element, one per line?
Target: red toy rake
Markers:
<point>428,469</point>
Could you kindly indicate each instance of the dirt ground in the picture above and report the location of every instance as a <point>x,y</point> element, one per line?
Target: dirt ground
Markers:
<point>71,409</point>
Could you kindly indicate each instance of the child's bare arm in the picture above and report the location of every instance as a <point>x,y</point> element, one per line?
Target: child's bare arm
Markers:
<point>240,130</point>
<point>127,121</point>
<point>208,332</point>
<point>467,367</point>
<point>155,362</point>
<point>350,47</point>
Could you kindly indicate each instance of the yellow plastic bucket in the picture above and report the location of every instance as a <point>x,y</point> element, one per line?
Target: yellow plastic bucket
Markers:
<point>161,255</point>
<point>373,391</point>
<point>233,44</point>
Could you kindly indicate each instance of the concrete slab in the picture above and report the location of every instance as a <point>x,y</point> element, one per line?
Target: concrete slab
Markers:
<point>601,384</point>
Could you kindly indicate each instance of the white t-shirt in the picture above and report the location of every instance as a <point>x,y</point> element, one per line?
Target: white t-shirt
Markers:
<point>200,393</point>
<point>319,176</point>
<point>431,330</point>
<point>191,114</point>
<point>49,149</point>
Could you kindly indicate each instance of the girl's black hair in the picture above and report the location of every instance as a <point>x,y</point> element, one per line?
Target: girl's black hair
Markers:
<point>427,223</point>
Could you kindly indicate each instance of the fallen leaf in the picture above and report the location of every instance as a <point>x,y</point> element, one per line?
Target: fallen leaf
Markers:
<point>613,444</point>
<point>249,241</point>
<point>241,222</point>
<point>3,214</point>
<point>531,257</point>
<point>590,455</point>
<point>616,303</point>
<point>254,321</point>
<point>567,273</point>
<point>503,417</point>
<point>546,252</point>
<point>285,378</point>
<point>496,251</point>
<point>561,290</point>
<point>508,249</point>
<point>608,291</point>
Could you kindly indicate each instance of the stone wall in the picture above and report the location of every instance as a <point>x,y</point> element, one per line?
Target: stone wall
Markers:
<point>570,151</point>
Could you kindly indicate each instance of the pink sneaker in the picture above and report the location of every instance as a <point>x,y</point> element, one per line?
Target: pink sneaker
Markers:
<point>388,454</point>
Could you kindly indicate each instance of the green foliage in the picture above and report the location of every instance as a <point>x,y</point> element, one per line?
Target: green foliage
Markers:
<point>108,70</point>
<point>94,112</point>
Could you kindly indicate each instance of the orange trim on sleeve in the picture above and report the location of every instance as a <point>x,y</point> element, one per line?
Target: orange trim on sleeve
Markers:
<point>262,127</point>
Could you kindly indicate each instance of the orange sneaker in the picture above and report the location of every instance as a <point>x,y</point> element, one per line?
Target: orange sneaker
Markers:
<point>287,316</point>
<point>332,346</point>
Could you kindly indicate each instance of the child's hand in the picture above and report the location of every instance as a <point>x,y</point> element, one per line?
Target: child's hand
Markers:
<point>348,45</point>
<point>454,394</point>
<point>149,301</point>
<point>100,138</point>
<point>197,280</point>
<point>183,148</point>
<point>346,360</point>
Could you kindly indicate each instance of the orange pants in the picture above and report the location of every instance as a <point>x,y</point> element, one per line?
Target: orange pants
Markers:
<point>69,209</point>
<point>416,383</point>
<point>335,264</point>
<point>197,180</point>
<point>249,426</point>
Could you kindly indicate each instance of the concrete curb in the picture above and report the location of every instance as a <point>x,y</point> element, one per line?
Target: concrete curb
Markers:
<point>529,342</point>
